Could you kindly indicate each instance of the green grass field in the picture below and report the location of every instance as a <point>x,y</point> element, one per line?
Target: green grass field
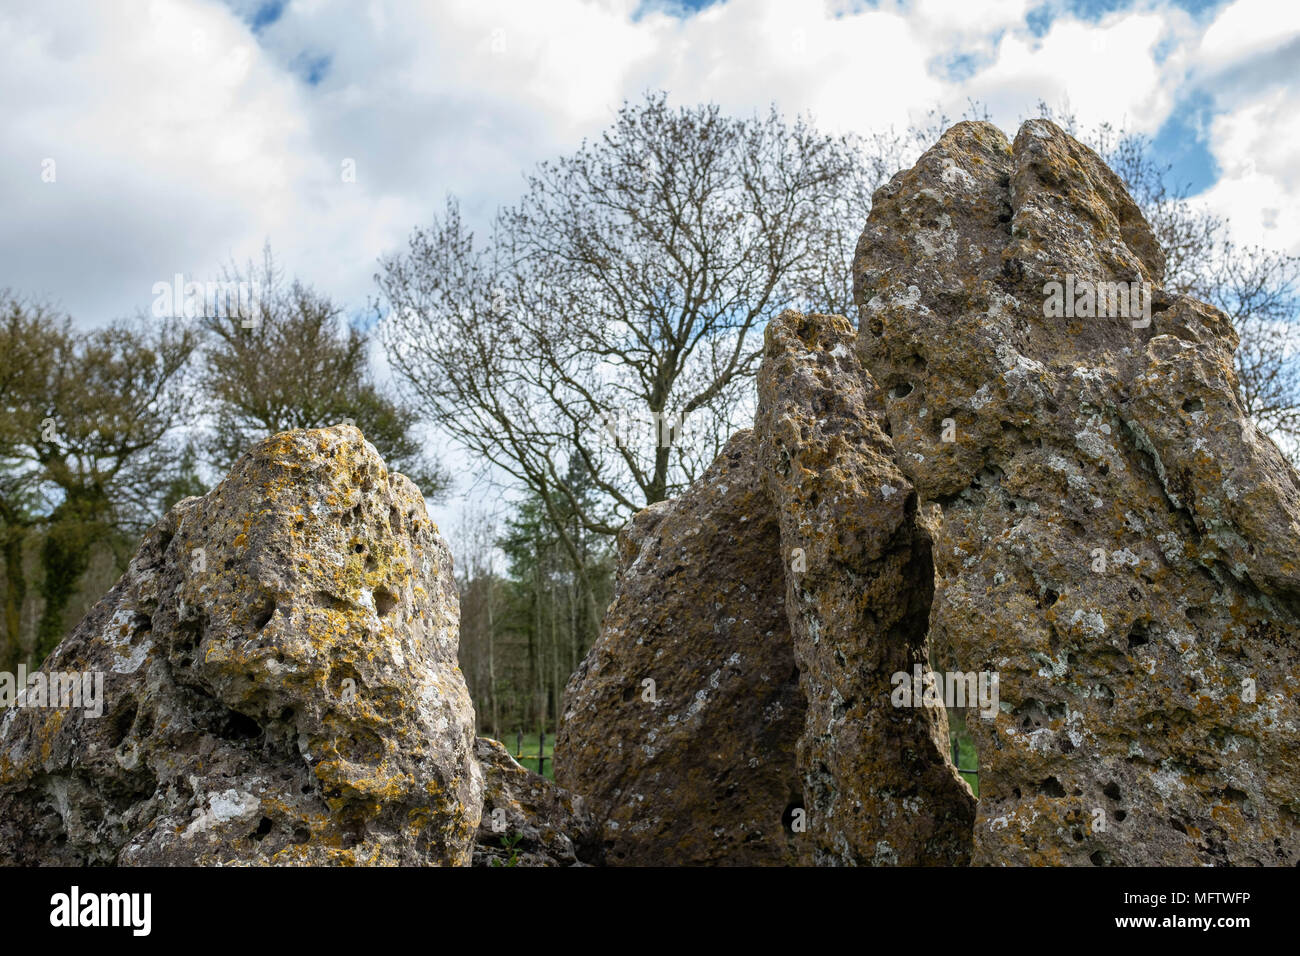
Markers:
<point>529,761</point>
<point>967,758</point>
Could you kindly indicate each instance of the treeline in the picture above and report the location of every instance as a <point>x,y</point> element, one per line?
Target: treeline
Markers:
<point>528,614</point>
<point>587,356</point>
<point>104,429</point>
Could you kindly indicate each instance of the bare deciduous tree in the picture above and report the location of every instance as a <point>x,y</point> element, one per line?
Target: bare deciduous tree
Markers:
<point>612,320</point>
<point>297,364</point>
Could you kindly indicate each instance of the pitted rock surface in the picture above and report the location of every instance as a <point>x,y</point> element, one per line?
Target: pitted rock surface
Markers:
<point>877,780</point>
<point>698,768</point>
<point>1113,536</point>
<point>280,680</point>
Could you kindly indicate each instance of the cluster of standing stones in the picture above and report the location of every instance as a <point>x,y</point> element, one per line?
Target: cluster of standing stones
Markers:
<point>971,481</point>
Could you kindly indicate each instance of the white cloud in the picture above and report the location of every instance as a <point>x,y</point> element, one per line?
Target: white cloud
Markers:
<point>1103,71</point>
<point>183,137</point>
<point>1247,28</point>
<point>1247,61</point>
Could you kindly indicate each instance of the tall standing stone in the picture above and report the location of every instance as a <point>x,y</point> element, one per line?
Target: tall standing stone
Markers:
<point>679,726</point>
<point>878,783</point>
<point>1116,540</point>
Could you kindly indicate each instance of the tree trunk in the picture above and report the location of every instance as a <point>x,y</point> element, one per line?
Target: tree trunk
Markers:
<point>15,594</point>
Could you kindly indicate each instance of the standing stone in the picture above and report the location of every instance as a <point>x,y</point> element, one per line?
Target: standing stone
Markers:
<point>679,726</point>
<point>1115,539</point>
<point>280,684</point>
<point>859,582</point>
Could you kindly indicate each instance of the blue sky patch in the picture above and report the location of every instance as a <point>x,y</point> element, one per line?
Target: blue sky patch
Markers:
<point>312,67</point>
<point>266,14</point>
<point>1181,143</point>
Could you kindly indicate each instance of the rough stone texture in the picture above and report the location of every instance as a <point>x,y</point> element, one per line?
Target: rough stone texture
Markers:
<point>1127,733</point>
<point>877,780</point>
<point>528,820</point>
<point>706,773</point>
<point>281,684</point>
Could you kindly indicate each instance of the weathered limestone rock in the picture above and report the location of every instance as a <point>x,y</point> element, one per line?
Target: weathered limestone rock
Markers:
<point>1113,537</point>
<point>877,780</point>
<point>280,682</point>
<point>528,820</point>
<point>699,767</point>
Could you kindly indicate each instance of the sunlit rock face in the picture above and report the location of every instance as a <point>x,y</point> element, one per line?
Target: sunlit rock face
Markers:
<point>1028,469</point>
<point>280,684</point>
<point>1112,536</point>
<point>878,786</point>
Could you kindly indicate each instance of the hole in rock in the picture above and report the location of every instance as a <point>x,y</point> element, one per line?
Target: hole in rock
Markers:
<point>263,828</point>
<point>236,726</point>
<point>189,634</point>
<point>1051,787</point>
<point>385,601</point>
<point>1193,405</point>
<point>901,390</point>
<point>262,614</point>
<point>122,723</point>
<point>332,601</point>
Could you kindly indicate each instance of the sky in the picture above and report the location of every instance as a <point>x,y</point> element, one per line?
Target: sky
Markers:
<point>145,139</point>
